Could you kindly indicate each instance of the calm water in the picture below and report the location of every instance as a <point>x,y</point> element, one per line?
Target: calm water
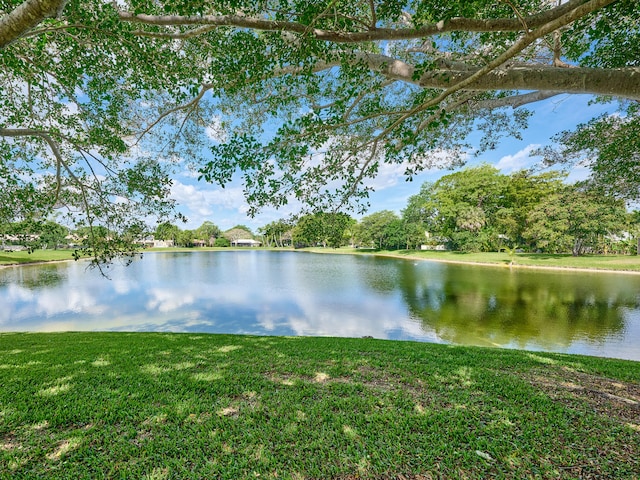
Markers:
<point>290,293</point>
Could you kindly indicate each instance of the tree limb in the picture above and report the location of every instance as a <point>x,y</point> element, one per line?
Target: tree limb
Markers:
<point>165,114</point>
<point>514,101</point>
<point>518,46</point>
<point>53,145</point>
<point>26,16</point>
<point>372,34</point>
<point>620,82</point>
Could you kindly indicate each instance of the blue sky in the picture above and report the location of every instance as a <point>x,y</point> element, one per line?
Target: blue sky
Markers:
<point>201,201</point>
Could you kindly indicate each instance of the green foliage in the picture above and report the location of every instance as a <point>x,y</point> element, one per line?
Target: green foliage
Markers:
<point>99,107</point>
<point>610,146</point>
<point>222,242</point>
<point>326,229</point>
<point>574,220</point>
<point>167,231</point>
<point>480,209</point>
<point>524,191</point>
<point>237,233</point>
<point>277,233</point>
<point>207,230</point>
<point>185,238</point>
<point>36,234</point>
<point>374,229</point>
<point>52,235</point>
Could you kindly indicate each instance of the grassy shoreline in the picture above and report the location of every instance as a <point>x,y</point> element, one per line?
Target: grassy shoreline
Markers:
<point>598,263</point>
<point>153,405</point>
<point>12,259</point>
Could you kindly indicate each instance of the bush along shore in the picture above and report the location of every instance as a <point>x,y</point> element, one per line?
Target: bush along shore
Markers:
<point>157,405</point>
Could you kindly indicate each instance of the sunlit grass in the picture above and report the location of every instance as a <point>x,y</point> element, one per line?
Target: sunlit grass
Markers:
<point>149,405</point>
<point>10,258</point>
<point>603,262</point>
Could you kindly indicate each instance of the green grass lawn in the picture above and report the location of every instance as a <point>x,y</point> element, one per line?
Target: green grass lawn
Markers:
<point>118,405</point>
<point>10,258</point>
<point>603,262</point>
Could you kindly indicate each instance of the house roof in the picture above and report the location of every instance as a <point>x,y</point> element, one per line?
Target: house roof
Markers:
<point>246,240</point>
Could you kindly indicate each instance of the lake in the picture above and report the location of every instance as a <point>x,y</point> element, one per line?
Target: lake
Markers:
<point>298,293</point>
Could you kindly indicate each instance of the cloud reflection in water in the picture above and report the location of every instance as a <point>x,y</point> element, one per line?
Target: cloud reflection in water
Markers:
<point>292,293</point>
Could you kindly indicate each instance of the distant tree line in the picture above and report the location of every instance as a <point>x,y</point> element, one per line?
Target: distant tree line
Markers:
<point>481,209</point>
<point>206,235</point>
<point>34,234</point>
<point>476,209</point>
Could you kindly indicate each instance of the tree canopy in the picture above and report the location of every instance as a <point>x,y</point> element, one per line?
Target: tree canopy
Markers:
<point>100,101</point>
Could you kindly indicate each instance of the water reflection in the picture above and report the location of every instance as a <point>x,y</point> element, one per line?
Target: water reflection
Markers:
<point>289,293</point>
<point>44,276</point>
<point>525,309</point>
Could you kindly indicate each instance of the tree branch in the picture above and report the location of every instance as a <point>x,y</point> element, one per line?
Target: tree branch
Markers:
<point>26,16</point>
<point>619,82</point>
<point>514,101</point>
<point>517,47</point>
<point>178,35</point>
<point>165,114</point>
<point>372,34</point>
<point>53,145</point>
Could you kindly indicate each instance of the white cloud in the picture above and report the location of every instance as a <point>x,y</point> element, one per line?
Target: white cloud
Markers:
<point>578,174</point>
<point>389,175</point>
<point>519,160</point>
<point>202,197</point>
<point>215,130</point>
<point>190,174</point>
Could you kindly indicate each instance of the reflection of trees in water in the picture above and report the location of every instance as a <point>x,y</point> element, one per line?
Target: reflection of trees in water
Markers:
<point>33,277</point>
<point>474,305</point>
<point>381,274</point>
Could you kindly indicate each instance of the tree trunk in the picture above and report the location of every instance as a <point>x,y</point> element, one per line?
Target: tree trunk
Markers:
<point>619,82</point>
<point>577,247</point>
<point>25,17</point>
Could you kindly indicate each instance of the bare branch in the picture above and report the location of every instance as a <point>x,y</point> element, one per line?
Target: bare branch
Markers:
<point>518,14</point>
<point>374,19</point>
<point>53,146</point>
<point>359,98</point>
<point>363,169</point>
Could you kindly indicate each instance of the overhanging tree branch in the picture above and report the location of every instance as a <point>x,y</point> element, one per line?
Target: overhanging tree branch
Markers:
<point>514,101</point>
<point>55,149</point>
<point>26,16</point>
<point>620,82</point>
<point>518,46</point>
<point>372,34</point>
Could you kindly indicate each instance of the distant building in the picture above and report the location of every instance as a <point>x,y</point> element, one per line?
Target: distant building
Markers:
<point>433,247</point>
<point>150,242</point>
<point>245,242</point>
